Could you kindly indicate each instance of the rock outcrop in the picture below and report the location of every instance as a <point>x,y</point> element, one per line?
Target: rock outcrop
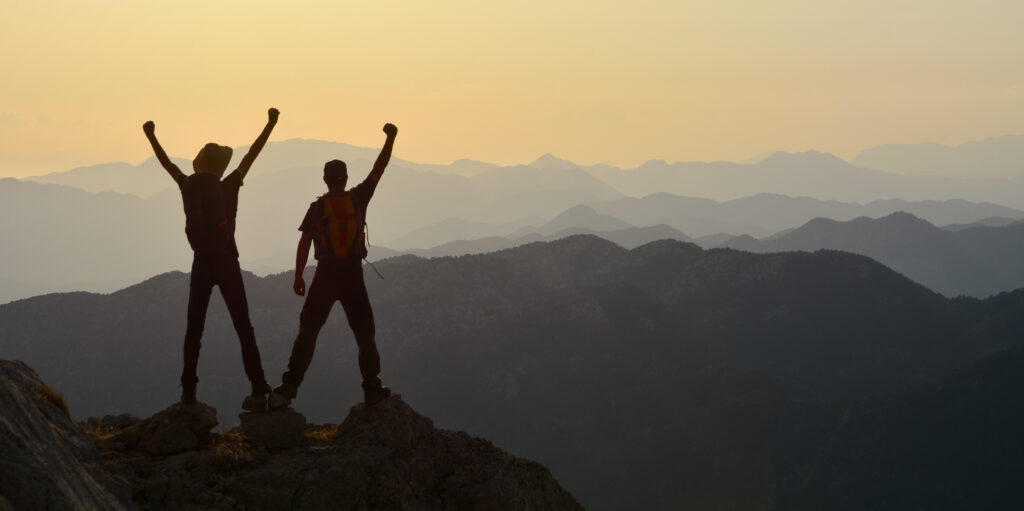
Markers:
<point>274,428</point>
<point>380,458</point>
<point>46,460</point>
<point>177,429</point>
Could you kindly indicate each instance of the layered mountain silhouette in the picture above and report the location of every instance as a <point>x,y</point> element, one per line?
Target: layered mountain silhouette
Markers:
<point>651,378</point>
<point>813,174</point>
<point>1000,157</point>
<point>709,222</point>
<point>430,205</point>
<point>115,239</point>
<point>765,214</point>
<point>992,221</point>
<point>888,171</point>
<point>975,261</point>
<point>59,238</point>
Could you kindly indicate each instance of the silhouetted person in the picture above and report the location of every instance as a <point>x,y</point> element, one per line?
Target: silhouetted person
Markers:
<point>210,208</point>
<point>336,222</point>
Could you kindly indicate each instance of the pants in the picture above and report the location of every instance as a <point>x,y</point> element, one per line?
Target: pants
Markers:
<point>335,283</point>
<point>222,271</point>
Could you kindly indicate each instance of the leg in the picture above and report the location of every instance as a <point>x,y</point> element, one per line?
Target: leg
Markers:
<point>360,318</point>
<point>199,289</point>
<point>233,291</point>
<point>320,298</point>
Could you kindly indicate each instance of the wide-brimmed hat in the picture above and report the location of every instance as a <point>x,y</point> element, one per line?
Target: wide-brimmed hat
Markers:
<point>212,158</point>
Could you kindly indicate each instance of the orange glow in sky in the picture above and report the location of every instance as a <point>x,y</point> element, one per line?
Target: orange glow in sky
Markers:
<point>612,82</point>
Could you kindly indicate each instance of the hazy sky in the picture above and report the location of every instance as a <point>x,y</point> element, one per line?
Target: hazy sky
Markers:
<point>613,82</point>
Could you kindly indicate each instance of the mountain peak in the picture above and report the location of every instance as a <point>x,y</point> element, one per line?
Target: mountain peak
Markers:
<point>807,157</point>
<point>654,163</point>
<point>549,160</point>
<point>904,218</point>
<point>586,217</point>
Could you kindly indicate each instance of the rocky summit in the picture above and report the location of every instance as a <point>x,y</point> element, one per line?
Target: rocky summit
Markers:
<point>46,460</point>
<point>382,457</point>
<point>179,428</point>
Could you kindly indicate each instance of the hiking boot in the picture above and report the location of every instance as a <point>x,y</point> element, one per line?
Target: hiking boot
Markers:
<point>374,396</point>
<point>282,396</point>
<point>257,401</point>
<point>188,395</point>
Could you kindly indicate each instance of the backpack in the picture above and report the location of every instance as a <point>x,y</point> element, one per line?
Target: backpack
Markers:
<point>205,213</point>
<point>340,227</point>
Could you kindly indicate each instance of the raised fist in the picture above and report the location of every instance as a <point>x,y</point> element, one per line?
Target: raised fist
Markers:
<point>149,128</point>
<point>272,114</point>
<point>390,129</point>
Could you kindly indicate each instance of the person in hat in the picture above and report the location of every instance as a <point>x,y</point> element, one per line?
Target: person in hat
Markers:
<point>211,204</point>
<point>336,223</point>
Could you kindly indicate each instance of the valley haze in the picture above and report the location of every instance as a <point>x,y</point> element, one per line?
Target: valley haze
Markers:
<point>472,207</point>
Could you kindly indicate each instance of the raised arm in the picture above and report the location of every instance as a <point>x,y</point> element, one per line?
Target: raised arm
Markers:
<point>301,256</point>
<point>385,156</point>
<point>257,146</point>
<point>150,130</point>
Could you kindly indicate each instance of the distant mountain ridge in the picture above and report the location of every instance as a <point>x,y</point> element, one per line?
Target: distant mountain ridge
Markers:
<point>999,157</point>
<point>811,173</point>
<point>765,213</point>
<point>758,215</point>
<point>976,261</point>
<point>117,239</point>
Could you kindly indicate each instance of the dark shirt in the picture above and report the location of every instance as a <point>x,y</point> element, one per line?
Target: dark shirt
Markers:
<point>230,187</point>
<point>361,195</point>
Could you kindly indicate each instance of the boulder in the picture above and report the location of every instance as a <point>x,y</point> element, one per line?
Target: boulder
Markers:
<point>176,429</point>
<point>384,457</point>
<point>46,460</point>
<point>281,428</point>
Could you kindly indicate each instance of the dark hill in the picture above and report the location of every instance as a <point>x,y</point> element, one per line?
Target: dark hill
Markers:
<point>631,373</point>
<point>952,444</point>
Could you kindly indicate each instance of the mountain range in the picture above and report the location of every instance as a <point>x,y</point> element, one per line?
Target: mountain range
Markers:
<point>661,377</point>
<point>999,157</point>
<point>60,238</point>
<point>990,170</point>
<point>115,239</point>
<point>764,214</point>
<point>759,215</point>
<point>976,261</point>
<point>119,238</point>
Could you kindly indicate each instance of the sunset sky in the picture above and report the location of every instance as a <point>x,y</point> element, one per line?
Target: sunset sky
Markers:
<point>612,82</point>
